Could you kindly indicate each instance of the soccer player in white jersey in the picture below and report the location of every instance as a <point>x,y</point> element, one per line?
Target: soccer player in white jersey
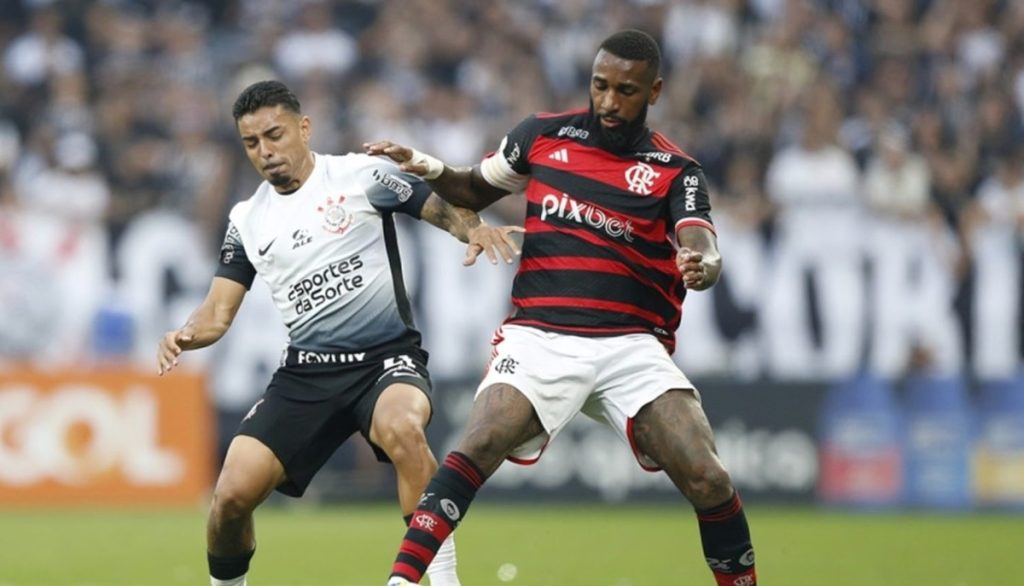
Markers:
<point>320,231</point>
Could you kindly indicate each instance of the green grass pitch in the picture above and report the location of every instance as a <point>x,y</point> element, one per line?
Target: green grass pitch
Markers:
<point>547,544</point>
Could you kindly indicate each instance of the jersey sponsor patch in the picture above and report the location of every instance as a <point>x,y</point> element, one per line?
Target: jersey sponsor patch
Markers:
<point>232,240</point>
<point>573,132</point>
<point>400,187</point>
<point>690,185</point>
<point>326,285</point>
<point>567,208</point>
<point>659,156</point>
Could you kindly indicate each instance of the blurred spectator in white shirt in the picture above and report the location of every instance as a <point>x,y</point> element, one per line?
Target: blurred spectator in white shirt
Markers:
<point>43,51</point>
<point>994,227</point>
<point>816,187</point>
<point>912,254</point>
<point>317,46</point>
<point>56,235</point>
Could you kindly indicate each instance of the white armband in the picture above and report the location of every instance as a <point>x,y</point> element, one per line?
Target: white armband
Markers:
<point>497,172</point>
<point>434,165</point>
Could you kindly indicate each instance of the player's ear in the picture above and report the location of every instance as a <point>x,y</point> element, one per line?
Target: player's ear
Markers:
<point>655,92</point>
<point>305,129</point>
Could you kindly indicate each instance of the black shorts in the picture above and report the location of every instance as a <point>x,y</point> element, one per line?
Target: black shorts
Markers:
<point>310,408</point>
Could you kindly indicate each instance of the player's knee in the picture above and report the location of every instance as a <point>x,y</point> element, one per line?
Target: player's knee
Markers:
<point>708,484</point>
<point>400,436</point>
<point>486,445</point>
<point>231,501</point>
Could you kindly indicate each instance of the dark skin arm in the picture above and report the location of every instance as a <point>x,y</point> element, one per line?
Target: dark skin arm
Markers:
<point>698,258</point>
<point>460,186</point>
<point>467,226</point>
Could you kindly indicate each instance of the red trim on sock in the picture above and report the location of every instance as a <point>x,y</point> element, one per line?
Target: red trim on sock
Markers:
<point>424,554</point>
<point>731,508</point>
<point>745,578</point>
<point>464,467</point>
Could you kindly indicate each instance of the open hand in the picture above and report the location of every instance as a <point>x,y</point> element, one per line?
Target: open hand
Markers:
<point>493,241</point>
<point>402,155</point>
<point>171,346</point>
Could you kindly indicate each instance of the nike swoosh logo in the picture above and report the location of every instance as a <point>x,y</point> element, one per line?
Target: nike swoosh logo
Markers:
<point>267,247</point>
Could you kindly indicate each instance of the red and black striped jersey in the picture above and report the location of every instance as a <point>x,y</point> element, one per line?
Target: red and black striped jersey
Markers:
<point>598,256</point>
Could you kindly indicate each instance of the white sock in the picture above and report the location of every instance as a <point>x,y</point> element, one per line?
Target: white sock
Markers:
<point>442,570</point>
<point>239,581</point>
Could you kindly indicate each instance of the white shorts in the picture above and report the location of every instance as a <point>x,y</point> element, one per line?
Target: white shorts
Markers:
<point>609,379</point>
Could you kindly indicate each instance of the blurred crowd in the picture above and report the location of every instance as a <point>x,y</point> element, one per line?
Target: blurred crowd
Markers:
<point>866,160</point>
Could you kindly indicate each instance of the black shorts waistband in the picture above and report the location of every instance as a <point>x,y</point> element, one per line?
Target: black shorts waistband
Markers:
<point>295,357</point>
<point>342,358</point>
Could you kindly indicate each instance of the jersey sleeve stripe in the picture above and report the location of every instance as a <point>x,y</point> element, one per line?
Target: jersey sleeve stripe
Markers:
<point>572,112</point>
<point>695,222</point>
<point>663,143</point>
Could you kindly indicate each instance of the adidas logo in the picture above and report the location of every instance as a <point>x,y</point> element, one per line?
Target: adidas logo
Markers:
<point>561,155</point>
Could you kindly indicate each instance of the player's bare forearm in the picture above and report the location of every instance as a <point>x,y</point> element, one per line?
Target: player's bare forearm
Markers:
<point>206,325</point>
<point>203,329</point>
<point>457,221</point>
<point>466,225</point>
<point>466,187</point>
<point>698,258</point>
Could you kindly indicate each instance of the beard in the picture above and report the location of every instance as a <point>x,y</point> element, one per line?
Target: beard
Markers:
<point>625,136</point>
<point>277,180</point>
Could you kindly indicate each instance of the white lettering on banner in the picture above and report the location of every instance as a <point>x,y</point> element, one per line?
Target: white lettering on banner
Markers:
<point>761,459</point>
<point>79,433</point>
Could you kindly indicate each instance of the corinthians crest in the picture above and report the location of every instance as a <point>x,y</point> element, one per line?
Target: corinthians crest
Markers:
<point>336,219</point>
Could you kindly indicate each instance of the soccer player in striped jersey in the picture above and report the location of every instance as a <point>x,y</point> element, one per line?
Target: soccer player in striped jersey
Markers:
<point>618,228</point>
<point>320,231</point>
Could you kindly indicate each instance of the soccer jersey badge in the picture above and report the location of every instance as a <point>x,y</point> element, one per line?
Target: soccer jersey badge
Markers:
<point>336,219</point>
<point>640,178</point>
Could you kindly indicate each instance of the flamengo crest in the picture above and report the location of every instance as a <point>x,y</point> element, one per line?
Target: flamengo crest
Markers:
<point>336,219</point>
<point>640,178</point>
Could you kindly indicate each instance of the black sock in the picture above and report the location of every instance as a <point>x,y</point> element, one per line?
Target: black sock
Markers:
<point>443,505</point>
<point>229,567</point>
<point>726,539</point>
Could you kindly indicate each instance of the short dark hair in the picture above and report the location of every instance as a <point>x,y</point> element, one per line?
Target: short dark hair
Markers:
<point>262,94</point>
<point>634,45</point>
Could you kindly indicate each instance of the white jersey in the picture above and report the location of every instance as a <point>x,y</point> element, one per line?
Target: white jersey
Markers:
<point>328,252</point>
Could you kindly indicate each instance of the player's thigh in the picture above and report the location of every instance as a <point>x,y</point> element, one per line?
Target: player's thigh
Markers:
<point>673,431</point>
<point>394,404</point>
<point>635,372</point>
<point>402,409</point>
<point>535,383</point>
<point>501,420</point>
<point>250,473</point>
